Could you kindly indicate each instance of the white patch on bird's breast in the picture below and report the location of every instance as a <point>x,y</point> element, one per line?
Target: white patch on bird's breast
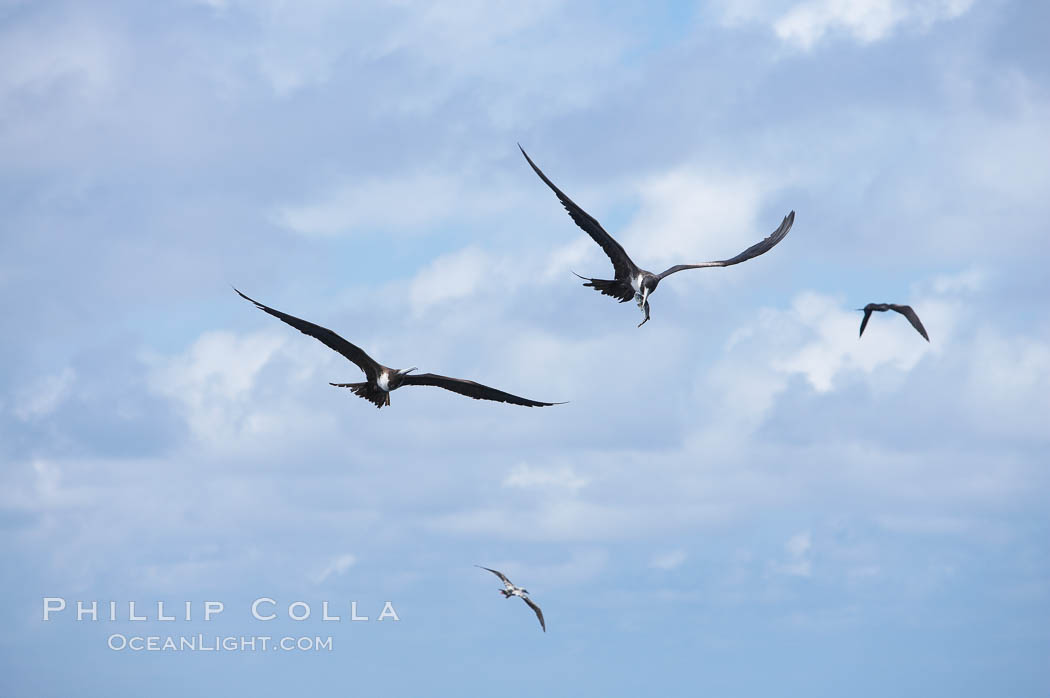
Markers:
<point>636,283</point>
<point>384,382</point>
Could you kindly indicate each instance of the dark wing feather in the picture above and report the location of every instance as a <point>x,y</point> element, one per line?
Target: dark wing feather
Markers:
<point>622,264</point>
<point>755,250</point>
<point>471,389</point>
<point>534,607</point>
<point>864,322</point>
<point>325,336</point>
<point>907,312</point>
<point>498,574</point>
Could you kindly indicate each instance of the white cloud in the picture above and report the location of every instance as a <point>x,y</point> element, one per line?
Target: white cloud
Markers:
<point>451,277</point>
<point>219,365</point>
<point>214,380</point>
<point>815,337</point>
<point>686,216</point>
<point>835,347</point>
<point>805,24</point>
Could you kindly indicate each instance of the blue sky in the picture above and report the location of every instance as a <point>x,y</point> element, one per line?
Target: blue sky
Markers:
<point>740,499</point>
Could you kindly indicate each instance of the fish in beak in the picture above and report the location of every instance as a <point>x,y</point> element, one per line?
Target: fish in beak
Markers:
<point>643,305</point>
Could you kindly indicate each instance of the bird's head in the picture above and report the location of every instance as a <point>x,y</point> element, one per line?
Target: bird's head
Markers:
<point>399,376</point>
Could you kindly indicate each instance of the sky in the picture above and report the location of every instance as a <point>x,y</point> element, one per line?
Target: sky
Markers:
<point>740,498</point>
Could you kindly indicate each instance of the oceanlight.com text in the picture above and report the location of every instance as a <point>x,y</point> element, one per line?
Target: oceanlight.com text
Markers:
<point>119,642</point>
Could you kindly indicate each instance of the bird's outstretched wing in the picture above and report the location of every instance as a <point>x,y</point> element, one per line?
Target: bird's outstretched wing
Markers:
<point>864,322</point>
<point>325,336</point>
<point>755,250</point>
<point>622,264</point>
<point>472,389</point>
<point>534,607</point>
<point>907,312</point>
<point>498,574</point>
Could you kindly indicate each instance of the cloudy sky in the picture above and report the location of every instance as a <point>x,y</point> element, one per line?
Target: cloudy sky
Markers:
<point>740,499</point>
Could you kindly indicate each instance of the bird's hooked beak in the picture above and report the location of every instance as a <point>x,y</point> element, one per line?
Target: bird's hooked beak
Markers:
<point>406,371</point>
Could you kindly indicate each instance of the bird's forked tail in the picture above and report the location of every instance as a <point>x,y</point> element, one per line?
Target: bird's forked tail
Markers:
<point>610,287</point>
<point>379,398</point>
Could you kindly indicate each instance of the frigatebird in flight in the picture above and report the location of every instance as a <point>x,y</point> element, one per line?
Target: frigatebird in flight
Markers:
<point>633,282</point>
<point>382,380</point>
<point>904,310</point>
<point>510,590</point>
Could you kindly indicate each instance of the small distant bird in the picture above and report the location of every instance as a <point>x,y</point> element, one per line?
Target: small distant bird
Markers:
<point>631,281</point>
<point>904,310</point>
<point>510,590</point>
<point>383,380</point>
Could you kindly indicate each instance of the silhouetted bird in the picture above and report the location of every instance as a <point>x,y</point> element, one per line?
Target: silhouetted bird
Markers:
<point>510,590</point>
<point>383,380</point>
<point>904,310</point>
<point>632,281</point>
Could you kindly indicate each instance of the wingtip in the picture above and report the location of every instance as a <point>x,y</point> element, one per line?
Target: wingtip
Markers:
<point>531,163</point>
<point>254,302</point>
